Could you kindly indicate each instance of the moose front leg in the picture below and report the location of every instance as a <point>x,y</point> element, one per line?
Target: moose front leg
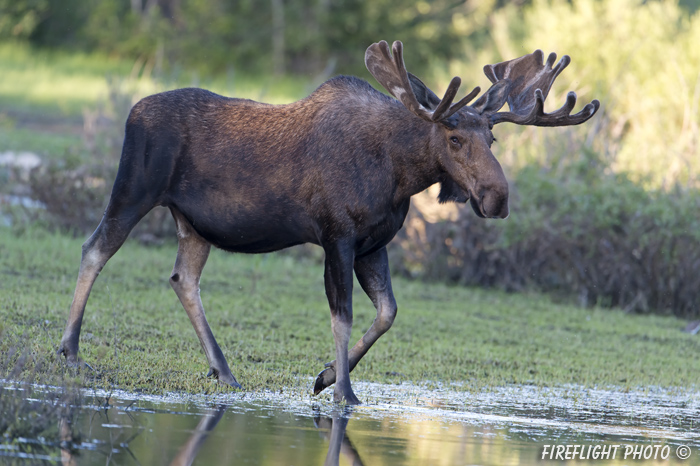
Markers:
<point>372,272</point>
<point>192,255</point>
<point>338,280</point>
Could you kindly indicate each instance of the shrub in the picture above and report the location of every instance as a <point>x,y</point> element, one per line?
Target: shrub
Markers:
<point>638,57</point>
<point>575,228</point>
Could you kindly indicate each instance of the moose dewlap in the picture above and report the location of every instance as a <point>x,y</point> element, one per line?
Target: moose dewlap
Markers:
<point>336,169</point>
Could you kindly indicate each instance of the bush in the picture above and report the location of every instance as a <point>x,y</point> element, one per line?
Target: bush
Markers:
<point>640,59</point>
<point>578,229</point>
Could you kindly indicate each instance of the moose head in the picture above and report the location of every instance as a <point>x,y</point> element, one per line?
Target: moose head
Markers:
<point>462,134</point>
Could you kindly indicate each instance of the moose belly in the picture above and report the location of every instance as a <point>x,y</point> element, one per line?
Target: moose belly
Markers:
<point>251,238</point>
<point>258,231</point>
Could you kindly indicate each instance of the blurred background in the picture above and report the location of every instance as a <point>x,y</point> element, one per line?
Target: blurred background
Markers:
<point>604,214</point>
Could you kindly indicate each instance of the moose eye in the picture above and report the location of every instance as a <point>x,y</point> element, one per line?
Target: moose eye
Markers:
<point>455,140</point>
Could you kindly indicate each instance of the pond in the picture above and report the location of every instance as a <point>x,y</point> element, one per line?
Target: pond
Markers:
<point>398,425</point>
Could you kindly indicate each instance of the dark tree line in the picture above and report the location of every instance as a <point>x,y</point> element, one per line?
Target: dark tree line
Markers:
<point>298,36</point>
<point>262,36</point>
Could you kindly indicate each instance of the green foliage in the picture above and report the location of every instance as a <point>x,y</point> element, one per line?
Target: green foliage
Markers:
<point>19,18</point>
<point>307,36</point>
<point>605,212</point>
<point>641,60</point>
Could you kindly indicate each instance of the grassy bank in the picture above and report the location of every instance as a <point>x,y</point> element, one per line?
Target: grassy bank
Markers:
<point>270,316</point>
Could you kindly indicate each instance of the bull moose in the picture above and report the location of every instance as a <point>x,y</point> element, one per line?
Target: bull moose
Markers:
<point>336,169</point>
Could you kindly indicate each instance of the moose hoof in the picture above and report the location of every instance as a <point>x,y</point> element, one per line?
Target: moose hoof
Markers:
<point>71,356</point>
<point>228,379</point>
<point>345,396</point>
<point>72,360</point>
<point>325,378</point>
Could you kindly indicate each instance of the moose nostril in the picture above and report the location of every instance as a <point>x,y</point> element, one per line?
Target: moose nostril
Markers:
<point>494,205</point>
<point>482,202</point>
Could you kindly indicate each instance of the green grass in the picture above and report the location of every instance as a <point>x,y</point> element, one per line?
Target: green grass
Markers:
<point>270,316</point>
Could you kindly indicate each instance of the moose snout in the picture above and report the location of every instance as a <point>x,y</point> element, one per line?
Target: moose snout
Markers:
<point>491,202</point>
<point>495,204</point>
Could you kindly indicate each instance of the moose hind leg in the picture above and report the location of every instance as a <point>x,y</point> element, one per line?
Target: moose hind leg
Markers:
<point>192,254</point>
<point>108,237</point>
<point>372,272</point>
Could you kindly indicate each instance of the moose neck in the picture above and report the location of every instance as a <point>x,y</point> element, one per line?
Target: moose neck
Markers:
<point>415,161</point>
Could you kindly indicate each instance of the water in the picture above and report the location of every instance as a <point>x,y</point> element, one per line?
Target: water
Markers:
<point>397,425</point>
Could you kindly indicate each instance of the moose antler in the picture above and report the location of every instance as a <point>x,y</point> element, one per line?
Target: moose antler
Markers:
<point>391,73</point>
<point>530,83</point>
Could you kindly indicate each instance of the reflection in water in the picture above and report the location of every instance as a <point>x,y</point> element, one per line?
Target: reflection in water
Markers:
<point>70,442</point>
<point>189,450</point>
<point>65,434</point>
<point>333,429</point>
<point>270,429</point>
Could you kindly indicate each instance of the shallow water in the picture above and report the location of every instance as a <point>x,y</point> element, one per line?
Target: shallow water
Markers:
<point>397,425</point>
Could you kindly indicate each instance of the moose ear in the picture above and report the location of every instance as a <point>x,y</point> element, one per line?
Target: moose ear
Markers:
<point>493,99</point>
<point>424,95</point>
<point>450,191</point>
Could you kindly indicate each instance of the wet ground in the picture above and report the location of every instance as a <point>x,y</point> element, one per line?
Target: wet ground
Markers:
<point>397,425</point>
